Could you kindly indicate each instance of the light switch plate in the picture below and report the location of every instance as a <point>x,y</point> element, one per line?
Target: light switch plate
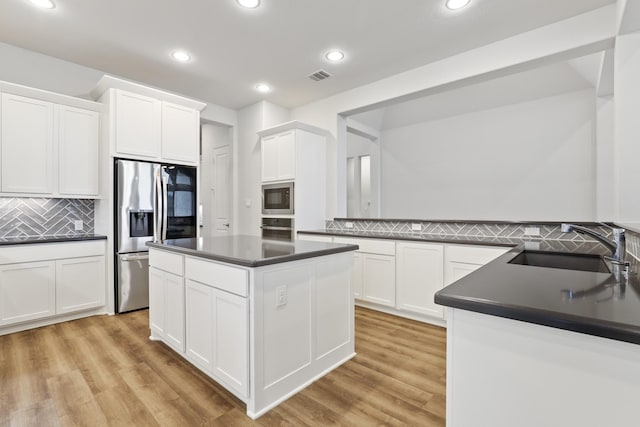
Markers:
<point>78,225</point>
<point>281,295</point>
<point>348,225</point>
<point>416,227</point>
<point>532,231</point>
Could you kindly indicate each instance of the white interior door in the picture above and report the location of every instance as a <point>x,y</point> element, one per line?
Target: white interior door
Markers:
<point>221,190</point>
<point>216,181</point>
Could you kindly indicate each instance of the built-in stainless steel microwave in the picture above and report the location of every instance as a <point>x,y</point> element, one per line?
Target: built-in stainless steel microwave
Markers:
<point>277,199</point>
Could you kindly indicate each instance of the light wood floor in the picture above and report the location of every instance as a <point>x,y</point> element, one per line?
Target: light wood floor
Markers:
<point>104,371</point>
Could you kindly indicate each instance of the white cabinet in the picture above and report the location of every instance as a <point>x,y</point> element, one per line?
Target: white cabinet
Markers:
<point>147,126</point>
<point>48,149</point>
<point>166,307</point>
<point>27,145</point>
<point>79,133</point>
<point>279,157</point>
<point>374,270</point>
<point>180,133</point>
<point>27,291</point>
<point>137,125</point>
<point>379,279</point>
<point>80,284</point>
<point>46,280</point>
<point>461,260</point>
<point>420,275</point>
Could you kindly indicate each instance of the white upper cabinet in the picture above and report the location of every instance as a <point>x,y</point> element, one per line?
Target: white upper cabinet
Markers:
<point>137,125</point>
<point>279,157</point>
<point>150,124</point>
<point>180,133</point>
<point>27,145</point>
<point>78,151</point>
<point>49,144</point>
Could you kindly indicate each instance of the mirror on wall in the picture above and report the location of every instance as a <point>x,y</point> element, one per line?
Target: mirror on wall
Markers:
<point>533,145</point>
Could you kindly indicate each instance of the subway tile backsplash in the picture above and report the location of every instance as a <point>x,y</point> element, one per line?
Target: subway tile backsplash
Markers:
<point>22,217</point>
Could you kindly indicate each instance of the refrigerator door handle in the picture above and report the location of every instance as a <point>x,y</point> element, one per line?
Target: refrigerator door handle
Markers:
<point>164,207</point>
<point>155,207</point>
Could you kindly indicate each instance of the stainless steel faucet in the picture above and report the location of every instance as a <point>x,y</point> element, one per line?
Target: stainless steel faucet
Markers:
<point>617,245</point>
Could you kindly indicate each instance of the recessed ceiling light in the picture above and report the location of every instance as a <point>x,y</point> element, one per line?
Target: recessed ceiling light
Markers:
<point>457,4</point>
<point>45,4</point>
<point>263,87</point>
<point>250,4</point>
<point>334,56</point>
<point>181,56</point>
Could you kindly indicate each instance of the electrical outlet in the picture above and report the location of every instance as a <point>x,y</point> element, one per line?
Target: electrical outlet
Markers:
<point>78,225</point>
<point>348,225</point>
<point>532,231</point>
<point>281,295</point>
<point>416,227</point>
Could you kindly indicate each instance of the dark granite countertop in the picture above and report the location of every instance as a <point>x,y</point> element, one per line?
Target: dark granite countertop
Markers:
<point>23,240</point>
<point>250,251</point>
<point>601,304</point>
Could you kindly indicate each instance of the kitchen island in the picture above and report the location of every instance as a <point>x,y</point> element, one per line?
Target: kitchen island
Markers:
<point>262,318</point>
<point>531,345</point>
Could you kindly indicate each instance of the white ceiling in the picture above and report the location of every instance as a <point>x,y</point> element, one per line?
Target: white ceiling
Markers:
<point>551,80</point>
<point>281,42</point>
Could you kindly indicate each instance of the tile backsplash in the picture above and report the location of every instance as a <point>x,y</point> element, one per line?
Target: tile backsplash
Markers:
<point>21,217</point>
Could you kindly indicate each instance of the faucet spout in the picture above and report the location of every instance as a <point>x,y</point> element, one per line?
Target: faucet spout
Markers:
<point>617,246</point>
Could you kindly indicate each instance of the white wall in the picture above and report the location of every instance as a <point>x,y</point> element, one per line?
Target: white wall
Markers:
<point>577,36</point>
<point>252,119</point>
<point>527,161</point>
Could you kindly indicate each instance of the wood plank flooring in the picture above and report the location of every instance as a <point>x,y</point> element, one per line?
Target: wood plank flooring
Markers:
<point>104,371</point>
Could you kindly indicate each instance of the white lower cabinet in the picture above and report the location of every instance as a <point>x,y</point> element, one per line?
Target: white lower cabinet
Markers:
<point>461,260</point>
<point>356,275</point>
<point>420,276</point>
<point>80,284</point>
<point>379,279</point>
<point>40,282</point>
<point>217,334</point>
<point>166,302</point>
<point>27,291</point>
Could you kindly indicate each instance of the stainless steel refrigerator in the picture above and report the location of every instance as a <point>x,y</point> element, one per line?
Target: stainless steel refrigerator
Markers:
<point>153,202</point>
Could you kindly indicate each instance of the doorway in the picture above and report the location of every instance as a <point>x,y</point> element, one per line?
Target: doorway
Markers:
<point>216,180</point>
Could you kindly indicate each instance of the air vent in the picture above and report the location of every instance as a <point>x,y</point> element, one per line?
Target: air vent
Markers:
<point>319,75</point>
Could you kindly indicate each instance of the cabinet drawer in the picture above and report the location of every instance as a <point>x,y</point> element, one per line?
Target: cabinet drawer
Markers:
<point>371,246</point>
<point>169,262</point>
<point>13,254</point>
<point>230,279</point>
<point>473,254</point>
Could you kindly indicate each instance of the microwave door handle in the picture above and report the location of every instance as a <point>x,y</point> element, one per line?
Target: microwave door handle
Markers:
<point>164,207</point>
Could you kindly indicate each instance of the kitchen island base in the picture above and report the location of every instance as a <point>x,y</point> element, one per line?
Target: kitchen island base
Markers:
<point>503,372</point>
<point>264,333</point>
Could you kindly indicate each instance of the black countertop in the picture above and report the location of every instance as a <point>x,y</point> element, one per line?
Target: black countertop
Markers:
<point>250,251</point>
<point>601,305</point>
<point>23,240</point>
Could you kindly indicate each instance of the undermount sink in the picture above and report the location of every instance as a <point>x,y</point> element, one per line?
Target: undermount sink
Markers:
<point>593,263</point>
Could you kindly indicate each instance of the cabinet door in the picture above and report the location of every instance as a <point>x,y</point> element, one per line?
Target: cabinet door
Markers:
<point>180,133</point>
<point>457,270</point>
<point>379,279</point>
<point>286,155</point>
<point>199,324</point>
<point>78,151</point>
<point>27,291</point>
<point>80,284</point>
<point>174,311</point>
<point>356,275</point>
<point>156,302</point>
<point>420,275</point>
<point>230,340</point>
<point>137,124</point>
<point>269,159</point>
<point>27,145</point>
